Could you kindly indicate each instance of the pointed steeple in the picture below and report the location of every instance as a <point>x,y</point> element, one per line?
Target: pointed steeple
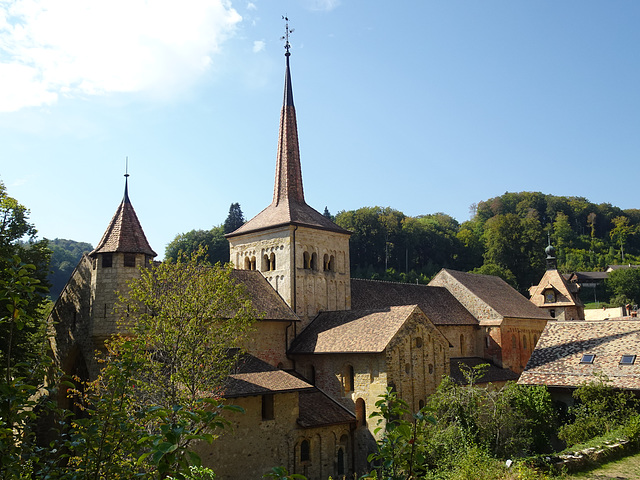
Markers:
<point>288,206</point>
<point>288,184</point>
<point>124,233</point>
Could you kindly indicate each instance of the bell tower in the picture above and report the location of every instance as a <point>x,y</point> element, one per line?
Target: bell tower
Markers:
<point>303,254</point>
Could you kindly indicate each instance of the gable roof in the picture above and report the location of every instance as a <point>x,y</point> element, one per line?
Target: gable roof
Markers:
<point>317,409</point>
<point>493,291</point>
<point>352,331</point>
<point>552,279</point>
<point>288,206</point>
<point>555,361</point>
<point>263,296</point>
<point>124,233</point>
<point>437,303</point>
<point>256,377</point>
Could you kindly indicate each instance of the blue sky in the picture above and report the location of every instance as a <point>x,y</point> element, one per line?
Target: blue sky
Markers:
<point>422,106</point>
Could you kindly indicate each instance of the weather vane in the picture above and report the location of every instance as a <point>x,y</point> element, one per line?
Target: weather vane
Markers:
<point>287,32</point>
<point>126,167</point>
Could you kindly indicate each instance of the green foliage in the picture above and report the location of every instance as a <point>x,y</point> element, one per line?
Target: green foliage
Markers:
<point>475,425</point>
<point>598,409</point>
<point>624,283</point>
<point>400,453</point>
<point>158,391</point>
<point>213,241</point>
<point>65,256</point>
<point>22,259</point>
<point>23,391</point>
<point>234,220</point>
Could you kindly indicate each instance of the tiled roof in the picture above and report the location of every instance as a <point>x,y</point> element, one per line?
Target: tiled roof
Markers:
<point>440,306</point>
<point>497,294</point>
<point>317,409</point>
<point>584,277</point>
<point>256,377</point>
<point>264,297</point>
<point>124,233</point>
<point>288,206</point>
<point>352,331</point>
<point>565,291</point>
<point>556,359</point>
<point>493,373</point>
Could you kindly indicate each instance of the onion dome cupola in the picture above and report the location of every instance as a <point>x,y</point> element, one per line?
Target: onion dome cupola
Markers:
<point>551,255</point>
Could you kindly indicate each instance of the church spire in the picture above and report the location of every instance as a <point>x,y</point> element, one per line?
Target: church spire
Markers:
<point>288,182</point>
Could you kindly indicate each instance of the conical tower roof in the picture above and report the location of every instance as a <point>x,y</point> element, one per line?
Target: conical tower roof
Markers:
<point>288,206</point>
<point>124,233</point>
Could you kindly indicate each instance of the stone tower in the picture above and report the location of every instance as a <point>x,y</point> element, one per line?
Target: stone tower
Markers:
<point>115,261</point>
<point>84,315</point>
<point>303,254</point>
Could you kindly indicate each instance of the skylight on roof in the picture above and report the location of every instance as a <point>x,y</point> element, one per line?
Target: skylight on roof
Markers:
<point>588,358</point>
<point>627,360</point>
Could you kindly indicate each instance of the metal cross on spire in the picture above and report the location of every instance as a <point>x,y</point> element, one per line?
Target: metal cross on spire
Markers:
<point>285,37</point>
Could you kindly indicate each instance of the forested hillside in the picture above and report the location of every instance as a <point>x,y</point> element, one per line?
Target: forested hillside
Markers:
<point>65,255</point>
<point>506,236</point>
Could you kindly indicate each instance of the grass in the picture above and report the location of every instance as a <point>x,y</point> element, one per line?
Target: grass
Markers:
<point>626,468</point>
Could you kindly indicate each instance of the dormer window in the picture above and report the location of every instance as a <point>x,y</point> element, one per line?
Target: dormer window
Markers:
<point>627,360</point>
<point>549,295</point>
<point>588,358</point>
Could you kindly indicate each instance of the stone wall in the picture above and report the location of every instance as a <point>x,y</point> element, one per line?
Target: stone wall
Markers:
<point>463,339</point>
<point>69,321</point>
<point>253,446</point>
<point>106,284</point>
<point>268,342</point>
<point>519,339</point>
<point>308,267</point>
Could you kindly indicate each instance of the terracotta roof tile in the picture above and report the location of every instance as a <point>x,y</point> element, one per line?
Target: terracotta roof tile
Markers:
<point>440,306</point>
<point>288,206</point>
<point>495,293</point>
<point>256,377</point>
<point>352,331</point>
<point>556,359</point>
<point>317,409</point>
<point>263,296</point>
<point>565,291</point>
<point>124,233</point>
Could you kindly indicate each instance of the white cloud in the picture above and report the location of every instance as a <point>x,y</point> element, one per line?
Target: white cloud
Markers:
<point>251,6</point>
<point>80,47</point>
<point>258,46</point>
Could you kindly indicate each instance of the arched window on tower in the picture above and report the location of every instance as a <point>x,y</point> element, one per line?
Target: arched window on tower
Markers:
<point>264,267</point>
<point>272,261</point>
<point>306,258</point>
<point>325,262</point>
<point>247,263</point>
<point>332,263</point>
<point>314,261</point>
<point>253,263</point>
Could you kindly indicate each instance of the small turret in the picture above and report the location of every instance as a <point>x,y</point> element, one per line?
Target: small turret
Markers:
<point>116,260</point>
